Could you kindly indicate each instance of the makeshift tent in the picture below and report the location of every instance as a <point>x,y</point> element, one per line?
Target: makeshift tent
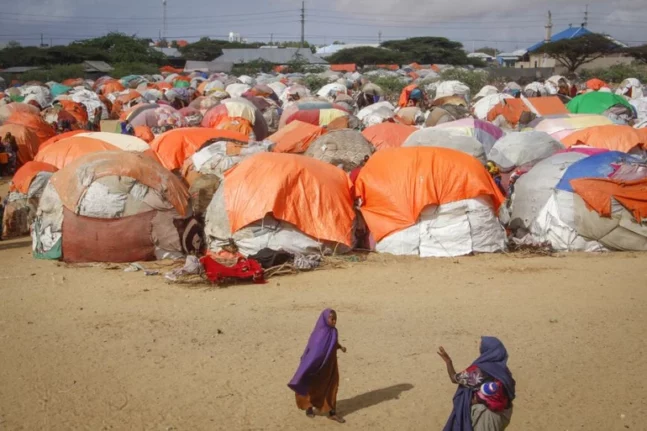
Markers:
<point>595,103</point>
<point>282,201</point>
<point>555,221</point>
<point>7,110</point>
<point>523,149</point>
<point>432,137</point>
<point>613,137</point>
<point>114,207</point>
<point>26,187</point>
<point>595,84</point>
<point>346,149</point>
<point>512,110</point>
<point>388,135</point>
<point>65,151</point>
<point>612,212</point>
<point>238,115</point>
<point>376,113</point>
<point>60,138</point>
<point>175,146</point>
<point>296,137</point>
<point>34,123</point>
<point>26,140</point>
<point>484,132</point>
<point>560,126</point>
<point>631,88</point>
<point>430,202</point>
<point>482,108</point>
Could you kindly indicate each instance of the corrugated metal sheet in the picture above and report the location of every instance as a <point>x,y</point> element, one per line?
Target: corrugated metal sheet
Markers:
<point>97,66</point>
<point>208,66</point>
<point>19,69</point>
<point>272,55</point>
<point>569,33</point>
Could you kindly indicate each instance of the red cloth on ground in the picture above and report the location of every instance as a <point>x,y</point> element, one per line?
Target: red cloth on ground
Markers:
<point>244,269</point>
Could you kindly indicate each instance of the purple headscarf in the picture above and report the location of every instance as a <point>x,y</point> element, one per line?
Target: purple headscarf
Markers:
<point>493,361</point>
<point>322,343</point>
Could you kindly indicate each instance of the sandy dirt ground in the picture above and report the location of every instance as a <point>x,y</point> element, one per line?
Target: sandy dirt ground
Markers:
<point>96,349</point>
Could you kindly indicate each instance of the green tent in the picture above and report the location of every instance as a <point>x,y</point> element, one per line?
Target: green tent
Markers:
<point>595,102</point>
<point>58,89</point>
<point>181,84</point>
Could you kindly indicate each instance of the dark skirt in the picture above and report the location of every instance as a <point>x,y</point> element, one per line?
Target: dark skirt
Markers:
<point>322,393</point>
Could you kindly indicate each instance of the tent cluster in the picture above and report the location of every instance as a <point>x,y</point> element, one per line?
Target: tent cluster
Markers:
<point>156,167</point>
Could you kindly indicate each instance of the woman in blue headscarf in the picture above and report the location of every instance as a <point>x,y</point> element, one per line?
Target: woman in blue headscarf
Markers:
<point>486,389</point>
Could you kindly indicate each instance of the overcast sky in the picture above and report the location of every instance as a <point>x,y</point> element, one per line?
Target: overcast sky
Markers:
<point>506,24</point>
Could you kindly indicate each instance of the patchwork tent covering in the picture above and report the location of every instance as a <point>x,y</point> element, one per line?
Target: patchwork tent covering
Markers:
<point>112,207</point>
<point>560,126</point>
<point>612,137</point>
<point>388,135</point>
<point>442,138</point>
<point>523,149</point>
<point>296,137</point>
<point>484,132</point>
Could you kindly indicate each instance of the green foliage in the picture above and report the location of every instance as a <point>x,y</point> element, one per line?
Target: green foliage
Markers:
<point>573,53</point>
<point>163,43</point>
<point>13,44</point>
<point>174,44</point>
<point>252,68</point>
<point>112,48</point>
<point>392,85</point>
<point>617,73</point>
<point>638,52</point>
<point>315,82</point>
<point>366,55</point>
<point>475,80</point>
<point>429,50</point>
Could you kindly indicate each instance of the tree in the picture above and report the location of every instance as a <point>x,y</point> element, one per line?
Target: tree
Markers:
<point>366,55</point>
<point>573,53</point>
<point>174,44</point>
<point>489,51</point>
<point>638,52</point>
<point>13,44</point>
<point>163,43</point>
<point>429,50</point>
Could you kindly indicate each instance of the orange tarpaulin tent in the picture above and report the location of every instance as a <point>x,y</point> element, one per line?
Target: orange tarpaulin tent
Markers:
<point>60,137</point>
<point>144,133</point>
<point>77,110</point>
<point>598,194</point>
<point>396,184</point>
<point>388,135</point>
<point>26,140</point>
<point>310,194</point>
<point>351,67</point>
<point>170,69</point>
<point>404,95</point>
<point>34,123</point>
<point>512,109</point>
<point>296,137</point>
<point>612,137</point>
<point>64,152</point>
<point>26,174</point>
<point>175,146</point>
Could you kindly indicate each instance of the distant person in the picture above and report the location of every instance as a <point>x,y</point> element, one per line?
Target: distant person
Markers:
<point>415,98</point>
<point>317,379</point>
<point>486,389</point>
<point>10,147</point>
<point>495,173</point>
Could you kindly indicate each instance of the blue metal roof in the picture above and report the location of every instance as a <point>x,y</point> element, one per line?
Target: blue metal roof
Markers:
<point>569,33</point>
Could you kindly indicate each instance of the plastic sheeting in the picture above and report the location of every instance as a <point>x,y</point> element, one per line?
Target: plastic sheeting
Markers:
<point>453,229</point>
<point>432,137</point>
<point>523,148</point>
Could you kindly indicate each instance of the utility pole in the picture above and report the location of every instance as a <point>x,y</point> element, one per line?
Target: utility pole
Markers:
<point>379,37</point>
<point>41,41</point>
<point>271,38</point>
<point>164,19</point>
<point>303,23</point>
<point>586,16</point>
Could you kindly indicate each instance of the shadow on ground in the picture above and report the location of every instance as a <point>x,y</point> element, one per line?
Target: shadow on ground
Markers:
<point>372,398</point>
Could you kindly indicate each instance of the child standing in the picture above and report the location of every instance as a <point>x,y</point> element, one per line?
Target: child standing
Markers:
<point>317,379</point>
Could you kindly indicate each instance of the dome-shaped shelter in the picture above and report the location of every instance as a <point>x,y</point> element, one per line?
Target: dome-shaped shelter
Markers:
<point>430,202</point>
<point>432,137</point>
<point>114,206</point>
<point>388,135</point>
<point>346,148</point>
<point>523,149</point>
<point>282,201</point>
<point>26,187</point>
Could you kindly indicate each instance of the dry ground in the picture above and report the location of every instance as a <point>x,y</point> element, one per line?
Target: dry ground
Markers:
<point>90,348</point>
